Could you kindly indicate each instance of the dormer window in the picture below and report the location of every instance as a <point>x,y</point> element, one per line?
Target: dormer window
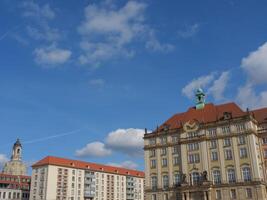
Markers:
<point>227,115</point>
<point>166,127</point>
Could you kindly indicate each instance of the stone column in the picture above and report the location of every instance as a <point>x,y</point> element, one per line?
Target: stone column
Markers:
<point>205,195</point>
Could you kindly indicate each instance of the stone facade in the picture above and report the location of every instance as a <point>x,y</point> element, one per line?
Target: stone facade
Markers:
<point>210,152</point>
<point>15,166</point>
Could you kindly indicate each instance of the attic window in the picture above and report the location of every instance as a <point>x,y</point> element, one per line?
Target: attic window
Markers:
<point>101,168</point>
<point>166,127</point>
<point>116,171</point>
<point>87,166</point>
<point>72,164</point>
<point>227,115</point>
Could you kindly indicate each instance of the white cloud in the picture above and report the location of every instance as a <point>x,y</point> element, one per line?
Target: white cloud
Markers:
<point>125,141</point>
<point>255,65</point>
<point>51,56</point>
<point>36,11</point>
<point>219,86</point>
<point>129,141</point>
<point>200,82</point>
<point>248,98</point>
<point>126,164</point>
<point>107,31</point>
<point>40,16</point>
<point>189,31</point>
<point>97,82</point>
<point>3,160</point>
<point>155,45</point>
<point>94,149</point>
<point>45,33</point>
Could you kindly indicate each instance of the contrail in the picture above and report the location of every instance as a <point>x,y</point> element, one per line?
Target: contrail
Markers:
<point>9,31</point>
<point>45,138</point>
<point>51,137</point>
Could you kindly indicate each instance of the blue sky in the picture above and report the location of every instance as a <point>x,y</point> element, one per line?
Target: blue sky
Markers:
<point>82,79</point>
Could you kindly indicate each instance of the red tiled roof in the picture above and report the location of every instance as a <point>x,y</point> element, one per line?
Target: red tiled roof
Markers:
<point>63,162</point>
<point>210,113</point>
<point>260,115</point>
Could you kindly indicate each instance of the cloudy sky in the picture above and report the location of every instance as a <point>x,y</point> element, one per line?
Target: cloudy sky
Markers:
<point>83,78</point>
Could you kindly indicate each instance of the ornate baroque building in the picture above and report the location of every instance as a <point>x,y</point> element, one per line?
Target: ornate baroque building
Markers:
<point>14,184</point>
<point>15,166</point>
<point>209,152</point>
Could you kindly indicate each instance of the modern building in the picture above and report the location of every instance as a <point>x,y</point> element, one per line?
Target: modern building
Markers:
<point>14,183</point>
<point>16,166</point>
<point>209,152</point>
<point>56,178</point>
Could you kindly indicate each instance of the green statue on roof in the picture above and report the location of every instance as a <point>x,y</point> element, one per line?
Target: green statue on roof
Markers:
<point>200,99</point>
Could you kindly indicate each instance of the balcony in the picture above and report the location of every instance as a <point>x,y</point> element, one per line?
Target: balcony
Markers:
<point>90,194</point>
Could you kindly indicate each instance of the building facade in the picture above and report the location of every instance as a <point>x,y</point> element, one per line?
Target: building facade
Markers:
<point>14,187</point>
<point>209,152</point>
<point>15,166</point>
<point>14,183</point>
<point>63,179</point>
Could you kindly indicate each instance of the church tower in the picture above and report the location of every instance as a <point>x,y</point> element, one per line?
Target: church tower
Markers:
<point>15,166</point>
<point>17,151</point>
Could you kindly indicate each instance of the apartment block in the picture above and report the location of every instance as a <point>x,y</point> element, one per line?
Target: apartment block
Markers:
<point>56,178</point>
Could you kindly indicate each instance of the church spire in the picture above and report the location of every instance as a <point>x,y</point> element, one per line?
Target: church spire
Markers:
<point>17,151</point>
<point>200,99</point>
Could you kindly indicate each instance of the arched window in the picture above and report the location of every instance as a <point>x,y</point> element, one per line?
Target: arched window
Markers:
<point>18,151</point>
<point>246,173</point>
<point>195,178</point>
<point>231,175</point>
<point>216,176</point>
<point>165,181</point>
<point>177,179</point>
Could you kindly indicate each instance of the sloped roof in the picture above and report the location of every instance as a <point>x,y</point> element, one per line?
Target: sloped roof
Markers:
<point>210,113</point>
<point>63,162</point>
<point>260,115</point>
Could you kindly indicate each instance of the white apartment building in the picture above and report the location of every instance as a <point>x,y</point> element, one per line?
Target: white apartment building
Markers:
<point>56,178</point>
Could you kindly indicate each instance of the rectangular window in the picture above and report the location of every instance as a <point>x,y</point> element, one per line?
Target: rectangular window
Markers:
<point>264,140</point>
<point>240,128</point>
<point>214,155</point>
<point>213,144</point>
<point>228,154</point>
<point>164,151</point>
<point>166,197</point>
<point>193,146</point>
<point>227,142</point>
<point>175,150</point>
<point>164,162</point>
<point>176,160</point>
<point>243,152</point>
<point>249,192</point>
<point>218,194</point>
<point>193,158</point>
<point>212,132</point>
<point>152,153</point>
<point>192,134</point>
<point>265,153</point>
<point>164,140</point>
<point>153,163</point>
<point>242,139</point>
<point>233,194</point>
<point>174,139</point>
<point>154,197</point>
<point>152,141</point>
<point>226,129</point>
